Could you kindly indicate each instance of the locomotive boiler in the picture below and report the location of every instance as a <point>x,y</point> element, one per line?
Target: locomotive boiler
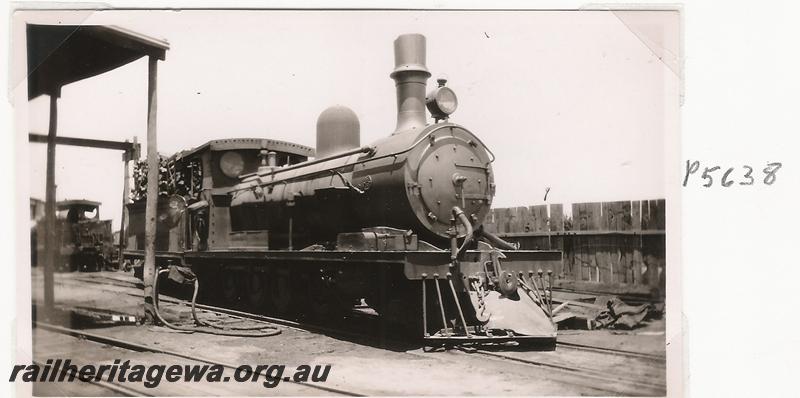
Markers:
<point>395,224</point>
<point>412,179</point>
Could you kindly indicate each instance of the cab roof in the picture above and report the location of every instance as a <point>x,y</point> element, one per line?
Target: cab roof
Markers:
<point>249,143</point>
<point>66,204</point>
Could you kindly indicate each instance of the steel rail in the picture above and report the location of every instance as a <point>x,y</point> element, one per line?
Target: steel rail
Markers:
<point>613,351</point>
<point>308,327</point>
<point>98,338</point>
<point>115,387</point>
<point>302,326</point>
<point>574,370</point>
<point>317,328</point>
<point>583,372</point>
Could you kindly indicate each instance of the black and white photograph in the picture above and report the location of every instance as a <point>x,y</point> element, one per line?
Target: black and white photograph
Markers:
<point>357,202</point>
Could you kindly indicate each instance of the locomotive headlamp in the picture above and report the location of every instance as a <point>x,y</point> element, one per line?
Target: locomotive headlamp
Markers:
<point>442,101</point>
<point>231,163</point>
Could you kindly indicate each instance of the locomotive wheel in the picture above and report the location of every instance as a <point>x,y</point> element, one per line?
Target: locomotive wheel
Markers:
<point>85,263</point>
<point>230,287</point>
<point>257,291</point>
<point>323,301</point>
<point>374,303</point>
<point>100,263</point>
<point>401,311</point>
<point>280,291</point>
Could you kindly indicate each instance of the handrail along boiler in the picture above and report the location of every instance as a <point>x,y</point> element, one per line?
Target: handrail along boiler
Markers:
<point>397,223</point>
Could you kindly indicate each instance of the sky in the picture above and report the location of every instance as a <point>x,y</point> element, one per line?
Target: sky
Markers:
<point>580,102</point>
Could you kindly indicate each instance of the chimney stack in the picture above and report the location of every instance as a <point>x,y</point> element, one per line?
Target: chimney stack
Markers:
<point>410,75</point>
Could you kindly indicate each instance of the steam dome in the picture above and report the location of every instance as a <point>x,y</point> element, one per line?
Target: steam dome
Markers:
<point>338,130</point>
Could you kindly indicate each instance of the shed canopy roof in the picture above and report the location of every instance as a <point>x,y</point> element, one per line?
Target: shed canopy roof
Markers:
<point>62,54</point>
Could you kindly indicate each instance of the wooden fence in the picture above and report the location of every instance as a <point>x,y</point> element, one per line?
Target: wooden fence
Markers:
<point>609,247</point>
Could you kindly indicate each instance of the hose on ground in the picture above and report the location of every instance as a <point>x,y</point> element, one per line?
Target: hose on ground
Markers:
<point>251,331</point>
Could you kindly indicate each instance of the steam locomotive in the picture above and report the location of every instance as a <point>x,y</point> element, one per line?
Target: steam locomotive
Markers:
<point>85,241</point>
<point>395,224</point>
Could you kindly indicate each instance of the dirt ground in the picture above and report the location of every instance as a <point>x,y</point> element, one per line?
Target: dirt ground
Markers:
<point>355,367</point>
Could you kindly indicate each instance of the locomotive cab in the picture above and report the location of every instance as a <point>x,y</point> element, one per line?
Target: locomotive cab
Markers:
<point>193,204</point>
<point>74,211</point>
<point>85,241</point>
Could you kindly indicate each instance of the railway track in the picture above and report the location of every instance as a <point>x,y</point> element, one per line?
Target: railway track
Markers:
<point>297,325</point>
<point>612,351</point>
<point>138,347</point>
<point>615,383</point>
<point>117,388</point>
<point>316,328</point>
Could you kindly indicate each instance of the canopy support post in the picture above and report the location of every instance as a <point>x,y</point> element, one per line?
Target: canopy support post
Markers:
<point>50,244</point>
<point>127,156</point>
<point>152,192</point>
